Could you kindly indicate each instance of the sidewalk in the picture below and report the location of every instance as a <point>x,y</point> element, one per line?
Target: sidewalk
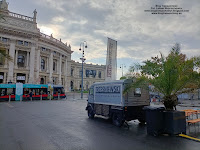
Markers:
<point>189,103</point>
<point>76,96</point>
<point>182,103</point>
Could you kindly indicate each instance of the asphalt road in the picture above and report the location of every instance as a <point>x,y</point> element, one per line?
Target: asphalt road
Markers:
<point>63,124</point>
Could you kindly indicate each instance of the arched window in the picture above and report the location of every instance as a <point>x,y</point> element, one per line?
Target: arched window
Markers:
<point>1,59</point>
<point>42,81</point>
<point>43,64</point>
<point>99,74</point>
<point>72,71</point>
<point>54,66</point>
<point>1,77</point>
<point>80,73</point>
<point>21,61</point>
<point>72,85</point>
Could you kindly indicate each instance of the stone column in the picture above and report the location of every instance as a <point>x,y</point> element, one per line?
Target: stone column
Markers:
<point>50,67</point>
<point>47,62</point>
<point>15,78</point>
<point>26,78</point>
<point>6,61</point>
<point>65,77</point>
<point>4,77</point>
<point>16,58</point>
<point>27,60</point>
<point>38,66</point>
<point>57,67</point>
<point>32,63</point>
<point>40,60</point>
<point>69,74</point>
<point>11,63</point>
<point>96,77</point>
<point>60,72</point>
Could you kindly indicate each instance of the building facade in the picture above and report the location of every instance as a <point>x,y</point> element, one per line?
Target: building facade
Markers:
<point>91,74</point>
<point>38,58</point>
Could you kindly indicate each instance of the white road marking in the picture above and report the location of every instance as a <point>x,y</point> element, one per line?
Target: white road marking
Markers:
<point>9,105</point>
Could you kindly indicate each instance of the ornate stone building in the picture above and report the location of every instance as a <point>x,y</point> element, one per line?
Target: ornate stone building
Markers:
<point>91,74</point>
<point>39,58</point>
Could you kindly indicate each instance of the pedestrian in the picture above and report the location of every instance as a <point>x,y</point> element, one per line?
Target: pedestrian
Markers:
<point>31,95</point>
<point>192,98</point>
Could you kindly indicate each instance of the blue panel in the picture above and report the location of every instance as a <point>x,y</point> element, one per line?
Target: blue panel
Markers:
<point>19,91</point>
<point>35,86</point>
<point>7,86</point>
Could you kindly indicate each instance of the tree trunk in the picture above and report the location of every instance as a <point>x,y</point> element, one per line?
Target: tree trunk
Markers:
<point>170,102</point>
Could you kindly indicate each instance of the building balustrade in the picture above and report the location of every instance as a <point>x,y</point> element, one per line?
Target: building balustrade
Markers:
<point>51,38</point>
<point>22,68</point>
<point>24,47</point>
<point>44,70</point>
<point>20,16</point>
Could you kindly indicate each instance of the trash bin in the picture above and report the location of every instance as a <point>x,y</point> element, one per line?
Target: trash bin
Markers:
<point>175,122</point>
<point>155,120</point>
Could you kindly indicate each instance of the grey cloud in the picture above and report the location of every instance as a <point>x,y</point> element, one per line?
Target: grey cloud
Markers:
<point>140,35</point>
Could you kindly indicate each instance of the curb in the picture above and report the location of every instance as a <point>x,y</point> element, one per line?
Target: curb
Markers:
<point>189,137</point>
<point>71,99</point>
<point>184,105</point>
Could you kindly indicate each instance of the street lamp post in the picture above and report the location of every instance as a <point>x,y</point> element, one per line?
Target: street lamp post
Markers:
<point>122,67</point>
<point>84,45</point>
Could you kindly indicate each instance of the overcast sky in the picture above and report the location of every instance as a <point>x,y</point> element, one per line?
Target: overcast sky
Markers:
<point>139,34</point>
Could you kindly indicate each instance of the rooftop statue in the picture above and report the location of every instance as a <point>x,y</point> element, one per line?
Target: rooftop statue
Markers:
<point>3,5</point>
<point>35,14</point>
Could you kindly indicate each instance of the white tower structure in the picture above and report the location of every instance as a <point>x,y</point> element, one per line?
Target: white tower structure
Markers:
<point>111,60</point>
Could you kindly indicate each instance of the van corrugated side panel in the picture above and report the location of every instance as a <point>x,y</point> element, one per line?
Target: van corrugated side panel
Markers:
<point>132,100</point>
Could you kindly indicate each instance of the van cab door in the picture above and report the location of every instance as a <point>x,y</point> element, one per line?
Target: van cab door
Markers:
<point>91,95</point>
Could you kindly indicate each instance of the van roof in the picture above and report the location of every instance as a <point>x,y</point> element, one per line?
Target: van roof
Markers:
<point>115,81</point>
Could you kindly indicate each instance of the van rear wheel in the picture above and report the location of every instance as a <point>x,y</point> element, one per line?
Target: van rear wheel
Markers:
<point>90,113</point>
<point>117,119</point>
<point>142,121</point>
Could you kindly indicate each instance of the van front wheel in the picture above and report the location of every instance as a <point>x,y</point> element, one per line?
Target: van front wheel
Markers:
<point>90,113</point>
<point>117,119</point>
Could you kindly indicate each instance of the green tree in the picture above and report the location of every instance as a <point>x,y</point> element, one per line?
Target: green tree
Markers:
<point>171,75</point>
<point>3,54</point>
<point>122,78</point>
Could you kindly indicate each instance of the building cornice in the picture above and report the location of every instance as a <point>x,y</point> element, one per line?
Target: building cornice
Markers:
<point>53,41</point>
<point>17,32</point>
<point>86,65</point>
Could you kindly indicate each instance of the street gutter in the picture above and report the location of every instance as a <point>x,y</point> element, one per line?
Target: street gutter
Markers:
<point>189,137</point>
